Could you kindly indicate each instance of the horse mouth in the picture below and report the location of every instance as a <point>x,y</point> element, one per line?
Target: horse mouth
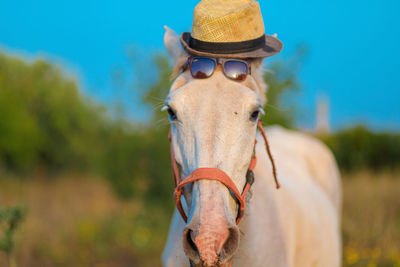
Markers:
<point>226,264</point>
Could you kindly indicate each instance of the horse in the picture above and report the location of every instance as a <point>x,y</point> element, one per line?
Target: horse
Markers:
<point>213,126</point>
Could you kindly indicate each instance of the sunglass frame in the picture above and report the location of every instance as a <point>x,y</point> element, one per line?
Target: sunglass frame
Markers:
<point>217,61</point>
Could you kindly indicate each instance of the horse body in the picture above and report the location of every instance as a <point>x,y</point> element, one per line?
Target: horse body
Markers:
<point>297,225</point>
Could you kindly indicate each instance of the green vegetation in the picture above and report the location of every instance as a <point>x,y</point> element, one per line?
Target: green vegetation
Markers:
<point>360,148</point>
<point>10,219</point>
<point>48,127</point>
<point>46,124</point>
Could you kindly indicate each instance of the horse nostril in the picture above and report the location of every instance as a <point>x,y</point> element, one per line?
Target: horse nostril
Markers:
<point>231,244</point>
<point>189,246</point>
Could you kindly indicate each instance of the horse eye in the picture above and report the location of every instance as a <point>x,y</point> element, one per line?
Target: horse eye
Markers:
<point>172,114</point>
<point>254,115</point>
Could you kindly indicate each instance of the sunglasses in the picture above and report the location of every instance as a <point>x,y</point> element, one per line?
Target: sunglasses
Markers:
<point>204,67</point>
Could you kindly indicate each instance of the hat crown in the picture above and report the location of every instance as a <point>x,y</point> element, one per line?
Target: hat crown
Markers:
<point>227,21</point>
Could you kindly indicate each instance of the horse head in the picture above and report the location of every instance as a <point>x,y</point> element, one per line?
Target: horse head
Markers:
<point>213,125</point>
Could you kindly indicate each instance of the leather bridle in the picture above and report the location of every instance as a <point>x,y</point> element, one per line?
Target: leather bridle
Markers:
<point>221,176</point>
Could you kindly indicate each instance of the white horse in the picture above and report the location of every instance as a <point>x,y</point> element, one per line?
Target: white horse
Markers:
<point>297,225</point>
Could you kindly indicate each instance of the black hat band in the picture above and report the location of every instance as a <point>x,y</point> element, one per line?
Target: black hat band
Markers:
<point>225,47</point>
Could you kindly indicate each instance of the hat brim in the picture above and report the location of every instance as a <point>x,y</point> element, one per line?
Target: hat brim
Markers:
<point>271,47</point>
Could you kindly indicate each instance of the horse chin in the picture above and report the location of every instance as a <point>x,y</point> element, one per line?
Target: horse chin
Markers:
<point>202,264</point>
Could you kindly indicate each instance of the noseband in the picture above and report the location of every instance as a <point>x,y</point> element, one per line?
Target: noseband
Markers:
<point>221,176</point>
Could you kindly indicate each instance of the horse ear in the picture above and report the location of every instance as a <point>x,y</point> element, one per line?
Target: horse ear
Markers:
<point>173,44</point>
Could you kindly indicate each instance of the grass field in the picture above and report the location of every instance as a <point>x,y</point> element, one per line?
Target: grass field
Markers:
<point>76,221</point>
<point>371,219</point>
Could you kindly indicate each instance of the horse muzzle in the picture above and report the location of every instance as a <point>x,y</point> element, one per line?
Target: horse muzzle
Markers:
<point>211,236</point>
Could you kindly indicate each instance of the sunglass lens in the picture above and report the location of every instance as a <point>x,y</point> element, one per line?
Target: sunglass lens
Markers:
<point>235,70</point>
<point>202,67</point>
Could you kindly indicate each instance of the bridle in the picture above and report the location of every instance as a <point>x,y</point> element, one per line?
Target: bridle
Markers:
<point>221,176</point>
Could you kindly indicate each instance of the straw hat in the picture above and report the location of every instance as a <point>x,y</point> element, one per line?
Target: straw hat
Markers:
<point>229,28</point>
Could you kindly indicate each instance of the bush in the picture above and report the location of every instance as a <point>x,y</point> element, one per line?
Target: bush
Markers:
<point>361,148</point>
<point>45,121</point>
<point>10,219</point>
<point>48,126</point>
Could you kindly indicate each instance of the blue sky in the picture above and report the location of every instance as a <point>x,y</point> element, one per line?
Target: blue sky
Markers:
<point>353,46</point>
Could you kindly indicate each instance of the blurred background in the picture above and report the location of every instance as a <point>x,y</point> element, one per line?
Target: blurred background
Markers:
<point>85,174</point>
